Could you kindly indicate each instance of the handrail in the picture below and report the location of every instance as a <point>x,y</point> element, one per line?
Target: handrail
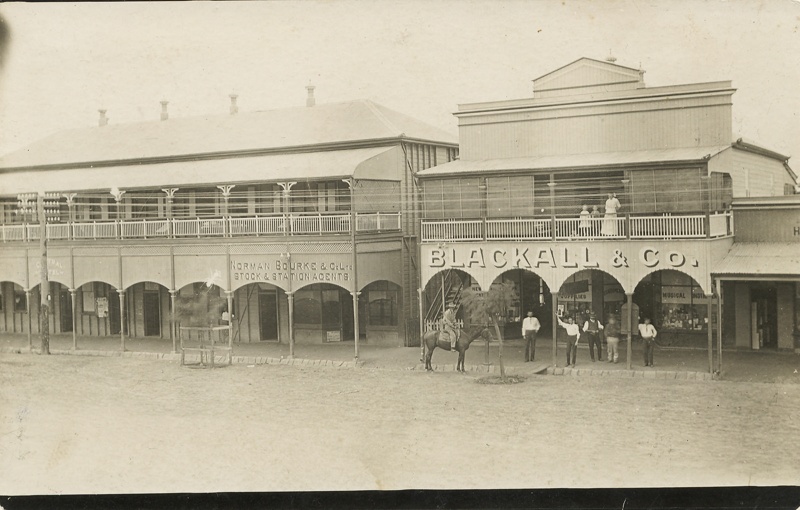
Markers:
<point>286,224</point>
<point>630,226</point>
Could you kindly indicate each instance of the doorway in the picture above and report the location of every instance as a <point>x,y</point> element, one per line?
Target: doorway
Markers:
<point>152,313</point>
<point>268,315</point>
<point>114,322</point>
<point>764,318</point>
<point>65,303</point>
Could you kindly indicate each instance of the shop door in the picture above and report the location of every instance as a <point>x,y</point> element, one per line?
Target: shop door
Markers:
<point>765,317</point>
<point>152,313</point>
<point>66,311</point>
<point>113,314</point>
<point>268,315</point>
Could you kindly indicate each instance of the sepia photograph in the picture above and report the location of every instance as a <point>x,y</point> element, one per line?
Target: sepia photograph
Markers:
<point>307,248</point>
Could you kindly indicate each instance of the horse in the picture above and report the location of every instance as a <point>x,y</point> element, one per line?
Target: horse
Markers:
<point>431,341</point>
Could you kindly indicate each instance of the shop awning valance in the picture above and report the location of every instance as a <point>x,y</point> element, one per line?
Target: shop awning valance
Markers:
<point>760,260</point>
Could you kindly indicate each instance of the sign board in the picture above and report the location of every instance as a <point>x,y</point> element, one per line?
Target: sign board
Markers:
<point>333,336</point>
<point>102,307</point>
<point>301,269</point>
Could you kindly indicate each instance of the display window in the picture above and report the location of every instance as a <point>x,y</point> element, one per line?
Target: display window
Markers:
<point>680,303</point>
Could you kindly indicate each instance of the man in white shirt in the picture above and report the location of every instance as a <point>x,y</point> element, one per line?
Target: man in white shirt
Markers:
<point>648,333</point>
<point>530,327</point>
<point>573,333</point>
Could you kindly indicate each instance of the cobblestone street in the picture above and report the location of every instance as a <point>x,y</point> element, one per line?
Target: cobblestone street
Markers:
<point>72,424</point>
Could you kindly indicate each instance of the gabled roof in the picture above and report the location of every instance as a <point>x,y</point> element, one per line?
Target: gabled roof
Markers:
<point>364,163</point>
<point>320,125</point>
<point>587,74</point>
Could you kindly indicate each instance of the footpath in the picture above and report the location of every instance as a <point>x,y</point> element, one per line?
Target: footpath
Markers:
<point>670,362</point>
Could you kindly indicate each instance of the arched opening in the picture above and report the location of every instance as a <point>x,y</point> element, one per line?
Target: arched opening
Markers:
<point>60,302</point>
<point>323,313</point>
<point>148,309</point>
<point>677,306</point>
<point>13,308</point>
<point>591,290</point>
<point>380,302</point>
<point>534,296</point>
<point>260,314</point>
<point>443,288</point>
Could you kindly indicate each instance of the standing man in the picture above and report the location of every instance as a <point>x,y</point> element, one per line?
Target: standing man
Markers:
<point>648,333</point>
<point>530,327</point>
<point>573,333</point>
<point>612,332</point>
<point>592,327</point>
<point>450,326</point>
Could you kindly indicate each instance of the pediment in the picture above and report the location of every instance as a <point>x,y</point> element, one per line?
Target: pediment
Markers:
<point>587,73</point>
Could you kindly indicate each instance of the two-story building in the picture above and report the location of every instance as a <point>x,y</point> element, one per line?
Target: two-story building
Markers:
<point>300,220</point>
<point>596,194</point>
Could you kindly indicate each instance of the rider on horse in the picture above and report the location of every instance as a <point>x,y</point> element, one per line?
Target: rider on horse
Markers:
<point>450,326</point>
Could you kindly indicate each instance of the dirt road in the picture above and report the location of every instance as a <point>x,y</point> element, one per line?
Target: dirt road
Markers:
<point>98,425</point>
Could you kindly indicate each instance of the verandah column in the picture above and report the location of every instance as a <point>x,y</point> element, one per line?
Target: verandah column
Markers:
<point>555,328</point>
<point>421,326</point>
<point>122,317</point>
<point>290,297</point>
<point>355,319</point>
<point>72,294</point>
<point>30,321</point>
<point>710,303</point>
<point>629,318</point>
<point>719,325</point>
<point>229,296</point>
<point>172,324</point>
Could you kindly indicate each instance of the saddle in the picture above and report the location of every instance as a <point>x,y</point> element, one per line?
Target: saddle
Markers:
<point>444,337</point>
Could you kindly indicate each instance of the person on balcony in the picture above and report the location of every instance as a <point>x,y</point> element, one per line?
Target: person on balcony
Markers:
<point>610,218</point>
<point>592,328</point>
<point>530,328</point>
<point>450,326</point>
<point>585,223</point>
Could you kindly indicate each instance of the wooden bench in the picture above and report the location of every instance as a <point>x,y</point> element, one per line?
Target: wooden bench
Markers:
<point>207,342</point>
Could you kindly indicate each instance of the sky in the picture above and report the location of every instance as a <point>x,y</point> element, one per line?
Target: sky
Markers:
<point>422,58</point>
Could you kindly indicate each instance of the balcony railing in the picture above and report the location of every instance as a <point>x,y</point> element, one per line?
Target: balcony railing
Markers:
<point>666,226</point>
<point>299,224</point>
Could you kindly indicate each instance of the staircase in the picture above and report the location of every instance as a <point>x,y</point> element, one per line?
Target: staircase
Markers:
<point>452,288</point>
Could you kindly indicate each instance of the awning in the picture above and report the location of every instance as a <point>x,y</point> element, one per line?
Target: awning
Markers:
<point>760,260</point>
<point>576,160</point>
<point>376,163</point>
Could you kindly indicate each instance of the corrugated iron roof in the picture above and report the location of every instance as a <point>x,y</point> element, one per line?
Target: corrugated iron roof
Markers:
<point>575,160</point>
<point>358,163</point>
<point>760,259</point>
<point>333,123</point>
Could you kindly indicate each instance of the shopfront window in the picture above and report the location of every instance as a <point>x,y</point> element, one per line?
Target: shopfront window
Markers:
<point>679,302</point>
<point>382,298</point>
<point>319,305</point>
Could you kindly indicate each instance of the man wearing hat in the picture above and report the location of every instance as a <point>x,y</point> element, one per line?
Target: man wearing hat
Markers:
<point>592,329</point>
<point>450,326</point>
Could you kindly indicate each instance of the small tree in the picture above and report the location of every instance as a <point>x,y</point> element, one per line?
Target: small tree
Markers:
<point>491,306</point>
<point>202,309</point>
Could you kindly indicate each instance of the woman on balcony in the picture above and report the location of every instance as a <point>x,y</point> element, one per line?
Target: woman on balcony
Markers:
<point>610,218</point>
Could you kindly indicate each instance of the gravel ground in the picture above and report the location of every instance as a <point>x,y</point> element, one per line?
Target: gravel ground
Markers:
<point>72,424</point>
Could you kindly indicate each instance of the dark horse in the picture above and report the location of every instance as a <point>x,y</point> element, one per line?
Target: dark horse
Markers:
<point>468,335</point>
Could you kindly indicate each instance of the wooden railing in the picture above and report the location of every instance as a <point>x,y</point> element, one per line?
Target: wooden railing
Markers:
<point>235,226</point>
<point>665,226</point>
